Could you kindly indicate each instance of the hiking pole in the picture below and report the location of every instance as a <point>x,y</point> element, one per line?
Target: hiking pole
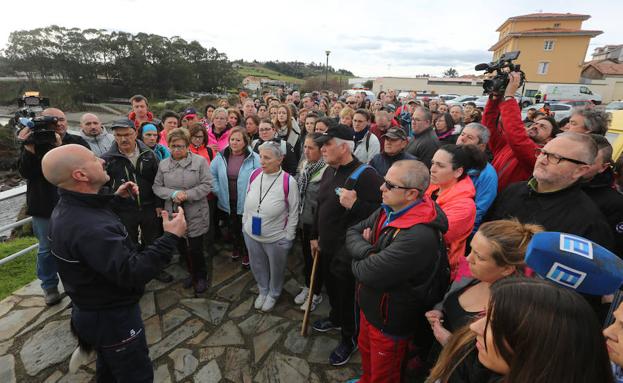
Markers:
<point>310,296</point>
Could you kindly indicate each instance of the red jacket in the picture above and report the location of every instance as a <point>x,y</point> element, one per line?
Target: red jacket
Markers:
<point>460,209</point>
<point>137,123</point>
<point>513,150</point>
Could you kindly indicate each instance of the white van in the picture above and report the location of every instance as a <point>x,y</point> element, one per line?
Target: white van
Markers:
<point>552,92</point>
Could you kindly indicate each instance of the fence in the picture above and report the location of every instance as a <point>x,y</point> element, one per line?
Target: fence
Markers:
<point>6,195</point>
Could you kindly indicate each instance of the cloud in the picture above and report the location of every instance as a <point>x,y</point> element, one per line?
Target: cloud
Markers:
<point>439,57</point>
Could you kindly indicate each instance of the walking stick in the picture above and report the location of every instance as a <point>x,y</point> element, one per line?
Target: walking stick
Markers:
<point>310,296</point>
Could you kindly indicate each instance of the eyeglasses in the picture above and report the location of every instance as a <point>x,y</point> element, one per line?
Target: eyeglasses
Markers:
<point>555,158</point>
<point>177,147</point>
<point>391,186</point>
<point>351,102</point>
<point>198,136</point>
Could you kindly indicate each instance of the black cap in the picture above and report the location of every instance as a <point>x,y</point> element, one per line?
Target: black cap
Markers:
<point>396,134</point>
<point>342,131</point>
<point>122,123</point>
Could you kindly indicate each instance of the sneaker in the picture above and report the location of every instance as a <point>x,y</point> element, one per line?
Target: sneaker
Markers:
<point>259,301</point>
<point>324,325</point>
<point>302,297</point>
<point>164,277</point>
<point>51,296</point>
<point>342,353</point>
<point>201,286</point>
<point>245,262</point>
<point>235,254</point>
<point>78,358</point>
<point>269,304</point>
<point>316,300</point>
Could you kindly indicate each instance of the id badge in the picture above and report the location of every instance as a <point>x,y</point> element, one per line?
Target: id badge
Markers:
<point>256,225</point>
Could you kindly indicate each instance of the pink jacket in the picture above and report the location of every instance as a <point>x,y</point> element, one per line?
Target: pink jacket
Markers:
<point>222,141</point>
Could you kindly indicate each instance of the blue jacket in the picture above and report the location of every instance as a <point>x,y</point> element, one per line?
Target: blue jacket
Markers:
<point>486,184</point>
<point>220,185</point>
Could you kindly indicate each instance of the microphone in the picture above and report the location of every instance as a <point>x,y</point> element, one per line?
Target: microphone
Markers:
<point>483,66</point>
<point>575,262</point>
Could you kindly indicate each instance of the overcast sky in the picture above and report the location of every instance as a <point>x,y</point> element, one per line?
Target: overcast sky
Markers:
<point>367,37</point>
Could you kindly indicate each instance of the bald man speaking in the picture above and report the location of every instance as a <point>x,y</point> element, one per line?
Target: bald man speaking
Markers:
<point>101,268</point>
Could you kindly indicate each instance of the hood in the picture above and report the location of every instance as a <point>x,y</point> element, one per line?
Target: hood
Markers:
<point>425,212</point>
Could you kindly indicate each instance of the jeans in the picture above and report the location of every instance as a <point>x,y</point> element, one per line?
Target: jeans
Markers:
<point>47,270</point>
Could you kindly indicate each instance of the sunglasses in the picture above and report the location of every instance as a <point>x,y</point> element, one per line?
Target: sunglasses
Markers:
<point>391,186</point>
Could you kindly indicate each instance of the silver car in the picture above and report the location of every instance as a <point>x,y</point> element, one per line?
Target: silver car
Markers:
<point>560,110</point>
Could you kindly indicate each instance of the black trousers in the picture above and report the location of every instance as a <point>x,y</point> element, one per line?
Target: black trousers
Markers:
<point>341,291</point>
<point>210,236</point>
<point>309,261</point>
<point>144,218</point>
<point>193,253</point>
<point>118,337</point>
<point>235,228</point>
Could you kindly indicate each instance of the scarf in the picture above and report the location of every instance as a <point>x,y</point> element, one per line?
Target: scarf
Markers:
<point>358,136</point>
<point>310,169</point>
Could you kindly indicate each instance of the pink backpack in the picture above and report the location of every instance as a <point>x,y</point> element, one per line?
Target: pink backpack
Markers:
<point>286,187</point>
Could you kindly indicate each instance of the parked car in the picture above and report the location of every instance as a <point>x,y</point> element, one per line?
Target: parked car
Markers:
<point>560,110</point>
<point>461,100</point>
<point>614,105</point>
<point>577,103</point>
<point>351,92</point>
<point>448,97</point>
<point>553,92</point>
<point>480,102</point>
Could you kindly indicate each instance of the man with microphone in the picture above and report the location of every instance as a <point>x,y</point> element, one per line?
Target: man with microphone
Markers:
<point>101,269</point>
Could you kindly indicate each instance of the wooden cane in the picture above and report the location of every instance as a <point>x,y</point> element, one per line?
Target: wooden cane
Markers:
<point>310,296</point>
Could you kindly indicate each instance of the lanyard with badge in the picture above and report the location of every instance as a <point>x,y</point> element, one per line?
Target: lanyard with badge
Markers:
<point>256,220</point>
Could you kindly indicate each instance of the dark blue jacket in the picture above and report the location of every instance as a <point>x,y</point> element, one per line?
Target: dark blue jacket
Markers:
<point>98,263</point>
<point>382,162</point>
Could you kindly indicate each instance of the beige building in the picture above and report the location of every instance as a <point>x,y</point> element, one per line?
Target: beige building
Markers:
<point>553,45</point>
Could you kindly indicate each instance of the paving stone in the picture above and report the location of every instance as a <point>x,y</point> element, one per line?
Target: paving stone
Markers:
<point>323,309</point>
<point>340,375</point>
<point>15,320</point>
<point>4,346</point>
<point>148,305</point>
<point>313,378</point>
<point>7,369</point>
<point>209,373</point>
<point>237,365</point>
<point>7,304</point>
<point>189,329</point>
<point>293,314</point>
<point>242,309</point>
<point>209,310</point>
<point>223,269</point>
<point>177,272</point>
<point>254,289</point>
<point>32,302</point>
<point>50,345</point>
<point>292,287</point>
<point>152,330</point>
<point>295,343</point>
<point>54,377</point>
<point>206,354</point>
<point>167,298</point>
<point>173,318</point>
<point>184,363</point>
<point>155,285</point>
<point>280,368</point>
<point>34,288</point>
<point>48,312</point>
<point>258,323</point>
<point>264,341</point>
<point>162,375</point>
<point>226,335</point>
<point>232,290</point>
<point>321,349</point>
<point>198,339</point>
<point>80,376</point>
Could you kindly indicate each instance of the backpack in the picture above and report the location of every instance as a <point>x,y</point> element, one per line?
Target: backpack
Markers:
<point>286,187</point>
<point>351,181</point>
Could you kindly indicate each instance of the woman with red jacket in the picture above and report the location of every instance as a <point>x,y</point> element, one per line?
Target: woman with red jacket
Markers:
<point>454,192</point>
<point>199,142</point>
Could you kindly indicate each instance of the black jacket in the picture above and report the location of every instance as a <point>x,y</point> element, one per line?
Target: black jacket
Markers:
<point>610,203</point>
<point>392,271</point>
<point>120,168</point>
<point>424,146</point>
<point>332,219</point>
<point>382,162</point>
<point>41,196</point>
<point>98,263</point>
<point>569,211</point>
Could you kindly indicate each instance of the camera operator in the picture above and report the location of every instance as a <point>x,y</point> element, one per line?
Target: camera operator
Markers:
<point>513,146</point>
<point>42,196</point>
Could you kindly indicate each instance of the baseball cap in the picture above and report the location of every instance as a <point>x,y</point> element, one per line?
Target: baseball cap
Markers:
<point>396,134</point>
<point>122,123</point>
<point>339,131</point>
<point>189,112</point>
<point>391,108</point>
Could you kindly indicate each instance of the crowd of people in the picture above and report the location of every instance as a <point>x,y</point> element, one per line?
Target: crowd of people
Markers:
<point>420,213</point>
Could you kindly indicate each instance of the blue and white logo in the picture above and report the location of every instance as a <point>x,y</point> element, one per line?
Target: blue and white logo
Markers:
<point>565,275</point>
<point>576,245</point>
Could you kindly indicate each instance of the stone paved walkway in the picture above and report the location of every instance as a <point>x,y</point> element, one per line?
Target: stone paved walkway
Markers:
<point>217,337</point>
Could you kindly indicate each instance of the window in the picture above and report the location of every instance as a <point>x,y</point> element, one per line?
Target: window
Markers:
<point>543,67</point>
<point>549,45</point>
<point>556,25</point>
<point>585,90</point>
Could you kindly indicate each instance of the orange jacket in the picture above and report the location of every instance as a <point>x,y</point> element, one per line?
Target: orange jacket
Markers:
<point>459,206</point>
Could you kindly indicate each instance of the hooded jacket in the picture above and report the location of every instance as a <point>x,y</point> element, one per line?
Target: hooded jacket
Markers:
<point>458,204</point>
<point>221,140</point>
<point>99,144</point>
<point>391,271</point>
<point>424,145</point>
<point>513,150</point>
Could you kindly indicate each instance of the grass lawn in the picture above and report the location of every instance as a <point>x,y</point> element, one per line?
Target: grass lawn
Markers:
<point>245,70</point>
<point>20,271</point>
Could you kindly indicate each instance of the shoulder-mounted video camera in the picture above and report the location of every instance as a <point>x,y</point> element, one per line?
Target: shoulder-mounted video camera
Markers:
<point>43,129</point>
<point>497,85</point>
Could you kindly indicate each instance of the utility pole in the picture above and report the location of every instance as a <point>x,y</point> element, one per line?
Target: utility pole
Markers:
<point>326,71</point>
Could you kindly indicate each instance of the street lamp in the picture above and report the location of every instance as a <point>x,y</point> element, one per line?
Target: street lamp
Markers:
<point>326,70</point>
